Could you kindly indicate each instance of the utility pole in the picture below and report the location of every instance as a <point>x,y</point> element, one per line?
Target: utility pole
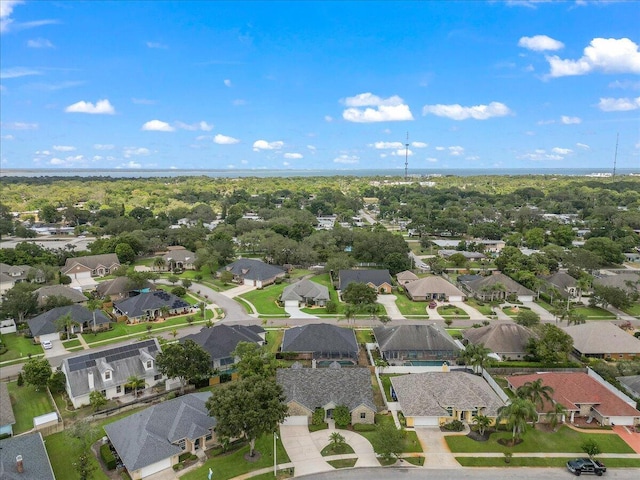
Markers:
<point>615,157</point>
<point>406,159</point>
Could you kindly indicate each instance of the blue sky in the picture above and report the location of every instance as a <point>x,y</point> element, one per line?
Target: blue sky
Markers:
<point>327,85</point>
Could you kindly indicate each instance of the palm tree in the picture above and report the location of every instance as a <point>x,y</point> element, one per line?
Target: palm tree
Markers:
<point>482,422</point>
<point>66,323</point>
<point>536,392</point>
<point>575,318</point>
<point>350,312</point>
<point>337,440</point>
<point>134,382</point>
<point>516,415</point>
<point>164,310</point>
<point>475,355</point>
<point>556,415</point>
<point>583,284</point>
<point>159,263</point>
<point>93,305</point>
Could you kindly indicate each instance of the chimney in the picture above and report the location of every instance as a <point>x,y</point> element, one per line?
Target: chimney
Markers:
<point>19,466</point>
<point>91,384</point>
<point>313,363</point>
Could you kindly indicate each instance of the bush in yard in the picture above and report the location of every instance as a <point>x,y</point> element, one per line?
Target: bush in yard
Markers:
<point>332,307</point>
<point>20,379</point>
<point>591,448</point>
<point>318,417</point>
<point>454,426</point>
<point>179,291</point>
<point>364,427</point>
<point>108,457</point>
<point>342,416</point>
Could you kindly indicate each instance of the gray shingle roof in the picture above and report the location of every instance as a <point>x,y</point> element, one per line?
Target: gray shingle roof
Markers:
<point>303,290</point>
<point>59,291</point>
<point>118,286</point>
<point>45,323</point>
<point>625,281</point>
<point>92,262</point>
<point>180,255</point>
<point>321,338</point>
<point>220,340</point>
<point>124,362</point>
<point>140,304</point>
<point>35,460</point>
<point>375,277</point>
<point>151,435</point>
<point>6,410</point>
<point>252,269</point>
<point>432,285</point>
<point>406,276</point>
<point>602,338</point>
<point>315,387</point>
<point>502,337</point>
<point>511,285</point>
<point>429,394</point>
<point>561,280</point>
<point>632,382</point>
<point>429,337</point>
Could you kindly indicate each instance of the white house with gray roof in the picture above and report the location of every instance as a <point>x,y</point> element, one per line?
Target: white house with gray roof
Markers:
<point>149,305</point>
<point>321,342</point>
<point>404,344</point>
<point>436,398</point>
<point>249,271</point>
<point>108,371</point>
<point>45,326</point>
<point>305,293</point>
<point>151,441</point>
<point>307,389</point>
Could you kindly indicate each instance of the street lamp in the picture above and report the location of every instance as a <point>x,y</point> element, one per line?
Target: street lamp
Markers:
<point>275,461</point>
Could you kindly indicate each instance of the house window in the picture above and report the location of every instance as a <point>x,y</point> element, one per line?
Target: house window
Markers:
<point>103,392</point>
<point>149,363</point>
<point>363,415</point>
<point>157,377</point>
<point>107,375</point>
<point>118,389</point>
<point>182,444</point>
<point>209,436</point>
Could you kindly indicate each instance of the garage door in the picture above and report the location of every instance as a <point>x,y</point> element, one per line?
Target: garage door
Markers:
<point>291,303</point>
<point>455,298</point>
<point>155,467</point>
<point>525,298</point>
<point>425,421</point>
<point>296,420</point>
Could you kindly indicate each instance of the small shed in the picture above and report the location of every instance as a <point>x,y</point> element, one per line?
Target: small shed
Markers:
<point>47,422</point>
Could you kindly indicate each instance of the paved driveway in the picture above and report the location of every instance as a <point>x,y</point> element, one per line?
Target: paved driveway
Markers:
<point>469,310</point>
<point>545,315</point>
<point>56,350</point>
<point>295,312</point>
<point>361,446</point>
<point>302,450</point>
<point>437,453</point>
<point>239,290</point>
<point>389,304</point>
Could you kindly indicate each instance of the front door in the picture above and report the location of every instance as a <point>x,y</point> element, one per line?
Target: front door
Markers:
<point>330,413</point>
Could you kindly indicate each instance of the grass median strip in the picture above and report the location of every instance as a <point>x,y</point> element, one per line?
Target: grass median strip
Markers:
<point>539,462</point>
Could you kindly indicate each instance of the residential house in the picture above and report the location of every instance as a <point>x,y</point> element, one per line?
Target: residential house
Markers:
<point>416,344</point>
<point>6,283</point>
<point>562,282</point>
<point>631,383</point>
<point>433,288</point>
<point>603,340</point>
<point>435,398</point>
<point>497,286</point>
<point>221,340</point>
<point>152,440</point>
<point>307,389</point>
<point>149,306</point>
<point>630,282</point>
<point>68,293</point>
<point>108,371</point>
<point>379,280</point>
<point>7,419</point>
<point>406,277</point>
<point>471,256</point>
<point>322,342</point>
<point>583,395</point>
<point>120,288</point>
<point>23,273</point>
<point>83,270</point>
<point>305,293</point>
<point>25,457</point>
<point>249,271</point>
<point>45,326</point>
<point>179,258</point>
<point>506,339</point>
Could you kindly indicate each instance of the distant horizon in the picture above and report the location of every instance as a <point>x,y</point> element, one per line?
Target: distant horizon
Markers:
<point>349,85</point>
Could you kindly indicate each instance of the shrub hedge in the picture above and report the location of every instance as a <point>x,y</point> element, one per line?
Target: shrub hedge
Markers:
<point>108,457</point>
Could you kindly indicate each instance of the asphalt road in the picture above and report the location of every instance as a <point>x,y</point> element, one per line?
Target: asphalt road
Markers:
<point>462,474</point>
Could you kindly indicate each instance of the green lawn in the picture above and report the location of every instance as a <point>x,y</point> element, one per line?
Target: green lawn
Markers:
<point>274,340</point>
<point>344,463</point>
<point>18,347</point>
<point>74,342</point>
<point>330,449</point>
<point>514,310</point>
<point>483,308</point>
<point>535,440</point>
<point>266,299</point>
<point>364,336</point>
<point>409,307</point>
<point>27,403</point>
<point>539,462</point>
<point>232,464</point>
<point>633,310</point>
<point>411,442</point>
<point>386,384</point>
<point>449,311</point>
<point>595,313</point>
<point>121,328</point>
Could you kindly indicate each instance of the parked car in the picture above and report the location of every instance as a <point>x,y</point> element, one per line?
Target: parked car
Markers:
<point>432,304</point>
<point>46,344</point>
<point>586,465</point>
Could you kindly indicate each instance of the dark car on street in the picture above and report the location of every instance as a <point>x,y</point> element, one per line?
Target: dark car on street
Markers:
<point>586,465</point>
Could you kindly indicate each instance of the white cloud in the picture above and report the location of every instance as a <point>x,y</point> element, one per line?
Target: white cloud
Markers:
<point>570,120</point>
<point>385,145</point>
<point>63,148</point>
<point>293,156</point>
<point>370,100</point>
<point>225,140</point>
<point>39,43</point>
<point>472,158</point>
<point>43,152</point>
<point>625,84</point>
<point>204,126</point>
<point>128,152</point>
<point>143,101</point>
<point>402,153</point>
<point>432,159</point>
<point>545,122</point>
<point>7,137</point>
<point>130,164</point>
<point>440,149</point>
<point>100,146</point>
<point>157,126</point>
<point>156,45</point>
<point>57,161</point>
<point>6,9</point>
<point>477,112</point>
<point>227,82</point>
<point>239,102</point>
<point>285,164</point>
<point>561,151</point>
<point>607,55</point>
<point>68,161</point>
<point>619,104</point>
<point>20,126</point>
<point>264,145</point>
<point>328,118</point>
<point>16,72</point>
<point>102,107</point>
<point>456,150</point>
<point>419,144</point>
<point>540,154</point>
<point>346,159</point>
<point>312,148</point>
<point>540,43</point>
<point>583,146</point>
<point>378,109</point>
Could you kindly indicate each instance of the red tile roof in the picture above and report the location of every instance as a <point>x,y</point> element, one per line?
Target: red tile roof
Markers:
<point>576,388</point>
